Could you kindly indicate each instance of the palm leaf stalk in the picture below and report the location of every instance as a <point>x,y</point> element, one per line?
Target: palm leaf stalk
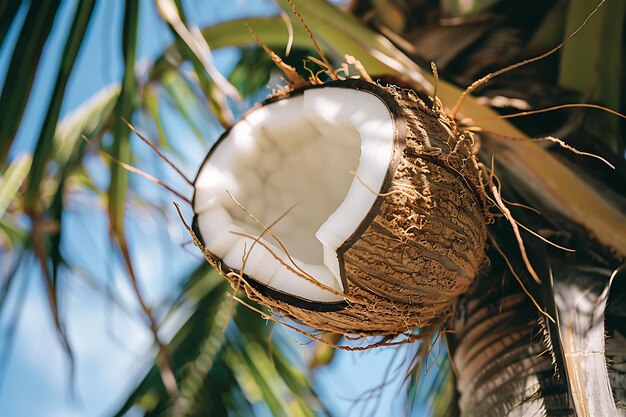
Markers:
<point>503,361</point>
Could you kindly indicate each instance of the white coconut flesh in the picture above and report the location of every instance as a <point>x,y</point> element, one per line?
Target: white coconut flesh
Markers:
<point>302,150</point>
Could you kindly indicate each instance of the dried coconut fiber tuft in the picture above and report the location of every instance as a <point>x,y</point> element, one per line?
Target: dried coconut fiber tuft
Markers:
<point>351,207</point>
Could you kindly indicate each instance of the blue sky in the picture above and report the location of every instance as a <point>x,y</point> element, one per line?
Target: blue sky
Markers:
<point>110,341</point>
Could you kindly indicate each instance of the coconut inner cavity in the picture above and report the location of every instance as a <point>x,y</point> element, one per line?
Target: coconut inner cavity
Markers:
<point>297,151</point>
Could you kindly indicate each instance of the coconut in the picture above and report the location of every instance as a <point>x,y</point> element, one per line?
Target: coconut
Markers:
<point>349,206</point>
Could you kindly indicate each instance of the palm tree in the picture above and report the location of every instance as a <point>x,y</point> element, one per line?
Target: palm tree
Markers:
<point>516,346</point>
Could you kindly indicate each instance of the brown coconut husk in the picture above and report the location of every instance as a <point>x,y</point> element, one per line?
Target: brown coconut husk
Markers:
<point>422,243</point>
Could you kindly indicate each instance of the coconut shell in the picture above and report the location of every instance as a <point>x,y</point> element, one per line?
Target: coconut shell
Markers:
<point>420,246</point>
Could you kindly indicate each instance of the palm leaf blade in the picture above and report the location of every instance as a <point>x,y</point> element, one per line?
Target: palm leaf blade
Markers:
<point>44,149</point>
<point>21,73</point>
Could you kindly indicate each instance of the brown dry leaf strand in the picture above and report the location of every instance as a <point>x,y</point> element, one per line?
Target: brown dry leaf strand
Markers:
<point>552,139</point>
<point>553,108</point>
<point>507,214</point>
<point>518,279</point>
<point>331,71</point>
<point>295,79</point>
<point>141,173</point>
<point>155,149</point>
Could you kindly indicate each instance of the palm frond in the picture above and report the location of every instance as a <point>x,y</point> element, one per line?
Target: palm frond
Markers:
<point>21,73</point>
<point>124,108</point>
<point>8,11</point>
<point>44,150</point>
<point>218,351</point>
<point>12,179</point>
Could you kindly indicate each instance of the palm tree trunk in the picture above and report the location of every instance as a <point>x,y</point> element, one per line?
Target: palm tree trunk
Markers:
<point>507,360</point>
<point>502,357</point>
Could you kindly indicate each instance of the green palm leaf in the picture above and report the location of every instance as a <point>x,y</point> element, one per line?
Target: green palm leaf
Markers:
<point>223,362</point>
<point>21,73</point>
